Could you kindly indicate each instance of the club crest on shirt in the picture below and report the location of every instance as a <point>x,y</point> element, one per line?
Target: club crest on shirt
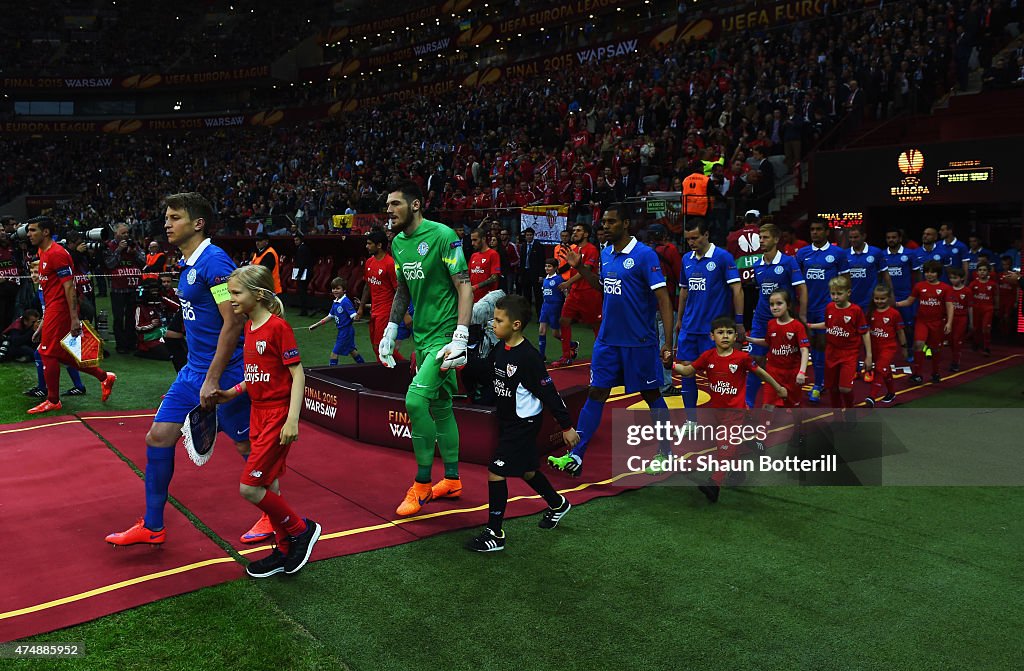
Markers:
<point>938,292</point>
<point>261,346</point>
<point>885,320</point>
<point>191,277</point>
<point>711,265</point>
<point>511,370</point>
<point>846,319</point>
<point>628,263</point>
<point>779,270</point>
<point>789,336</point>
<point>380,271</point>
<point>830,258</point>
<point>733,368</point>
<point>43,266</point>
<point>711,365</point>
<point>903,258</point>
<point>871,259</point>
<point>423,248</point>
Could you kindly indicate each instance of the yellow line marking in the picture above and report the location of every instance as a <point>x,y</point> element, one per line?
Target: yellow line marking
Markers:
<point>113,587</point>
<point>41,426</point>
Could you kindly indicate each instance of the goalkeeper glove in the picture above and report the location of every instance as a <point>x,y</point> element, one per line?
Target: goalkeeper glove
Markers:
<point>386,348</point>
<point>454,353</point>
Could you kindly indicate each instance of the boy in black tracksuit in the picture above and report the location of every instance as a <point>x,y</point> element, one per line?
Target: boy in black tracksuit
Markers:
<point>523,389</point>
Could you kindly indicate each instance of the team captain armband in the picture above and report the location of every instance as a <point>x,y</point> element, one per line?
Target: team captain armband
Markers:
<point>65,272</point>
<point>220,293</point>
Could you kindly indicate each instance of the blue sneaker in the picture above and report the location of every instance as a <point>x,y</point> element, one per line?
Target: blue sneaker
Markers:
<point>815,395</point>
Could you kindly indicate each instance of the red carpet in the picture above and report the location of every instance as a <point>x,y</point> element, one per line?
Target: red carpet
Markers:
<point>54,470</point>
<point>59,479</point>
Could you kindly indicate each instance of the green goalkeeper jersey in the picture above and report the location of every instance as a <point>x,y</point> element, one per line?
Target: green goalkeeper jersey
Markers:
<point>425,262</point>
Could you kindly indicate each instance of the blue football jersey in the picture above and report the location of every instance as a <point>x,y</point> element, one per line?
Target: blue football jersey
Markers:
<point>783,272</point>
<point>343,312</point>
<point>630,308</point>
<point>821,264</point>
<point>203,285</point>
<point>864,269</point>
<point>901,265</point>
<point>552,294</point>
<point>953,254</point>
<point>709,296</point>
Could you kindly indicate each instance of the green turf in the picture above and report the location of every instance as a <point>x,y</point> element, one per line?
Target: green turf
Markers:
<point>787,578</point>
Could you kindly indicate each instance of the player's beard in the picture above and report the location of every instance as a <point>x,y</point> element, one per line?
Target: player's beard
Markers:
<point>398,225</point>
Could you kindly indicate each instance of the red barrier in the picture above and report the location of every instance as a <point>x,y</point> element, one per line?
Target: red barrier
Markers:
<point>340,399</point>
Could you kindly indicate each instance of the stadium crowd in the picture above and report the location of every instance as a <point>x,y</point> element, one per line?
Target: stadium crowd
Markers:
<point>656,113</point>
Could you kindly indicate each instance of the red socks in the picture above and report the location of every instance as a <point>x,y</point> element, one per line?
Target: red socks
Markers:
<point>281,514</point>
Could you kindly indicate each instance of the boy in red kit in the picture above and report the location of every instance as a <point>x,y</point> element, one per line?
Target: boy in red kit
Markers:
<point>60,296</point>
<point>887,337</point>
<point>984,303</point>
<point>275,382</point>
<point>726,369</point>
<point>934,318</point>
<point>846,330</point>
<point>961,300</point>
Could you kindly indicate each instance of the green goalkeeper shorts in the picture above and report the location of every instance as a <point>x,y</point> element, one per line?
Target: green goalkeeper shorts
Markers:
<point>430,381</point>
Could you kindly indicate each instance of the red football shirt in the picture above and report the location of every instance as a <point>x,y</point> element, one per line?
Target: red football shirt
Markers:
<point>843,329</point>
<point>727,377</point>
<point>784,343</point>
<point>983,294</point>
<point>55,269</point>
<point>383,281</point>
<point>481,266</point>
<point>591,258</point>
<point>268,352</point>
<point>931,301</point>
<point>961,300</point>
<point>885,327</point>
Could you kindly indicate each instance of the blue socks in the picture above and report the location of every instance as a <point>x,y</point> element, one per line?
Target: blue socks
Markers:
<point>689,393</point>
<point>753,386</point>
<point>333,362</point>
<point>586,425</point>
<point>40,378</point>
<point>359,358</point>
<point>76,379</point>
<point>159,470</point>
<point>818,363</point>
<point>542,344</point>
<point>659,413</point>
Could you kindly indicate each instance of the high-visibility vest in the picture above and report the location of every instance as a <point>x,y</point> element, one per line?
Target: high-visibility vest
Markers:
<point>150,260</point>
<point>695,196</point>
<point>276,272</point>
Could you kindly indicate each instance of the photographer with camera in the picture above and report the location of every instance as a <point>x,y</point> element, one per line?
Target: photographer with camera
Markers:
<point>83,257</point>
<point>125,260</point>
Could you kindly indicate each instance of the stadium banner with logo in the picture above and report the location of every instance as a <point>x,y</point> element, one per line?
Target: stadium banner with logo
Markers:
<point>547,222</point>
<point>140,81</point>
<point>976,171</point>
